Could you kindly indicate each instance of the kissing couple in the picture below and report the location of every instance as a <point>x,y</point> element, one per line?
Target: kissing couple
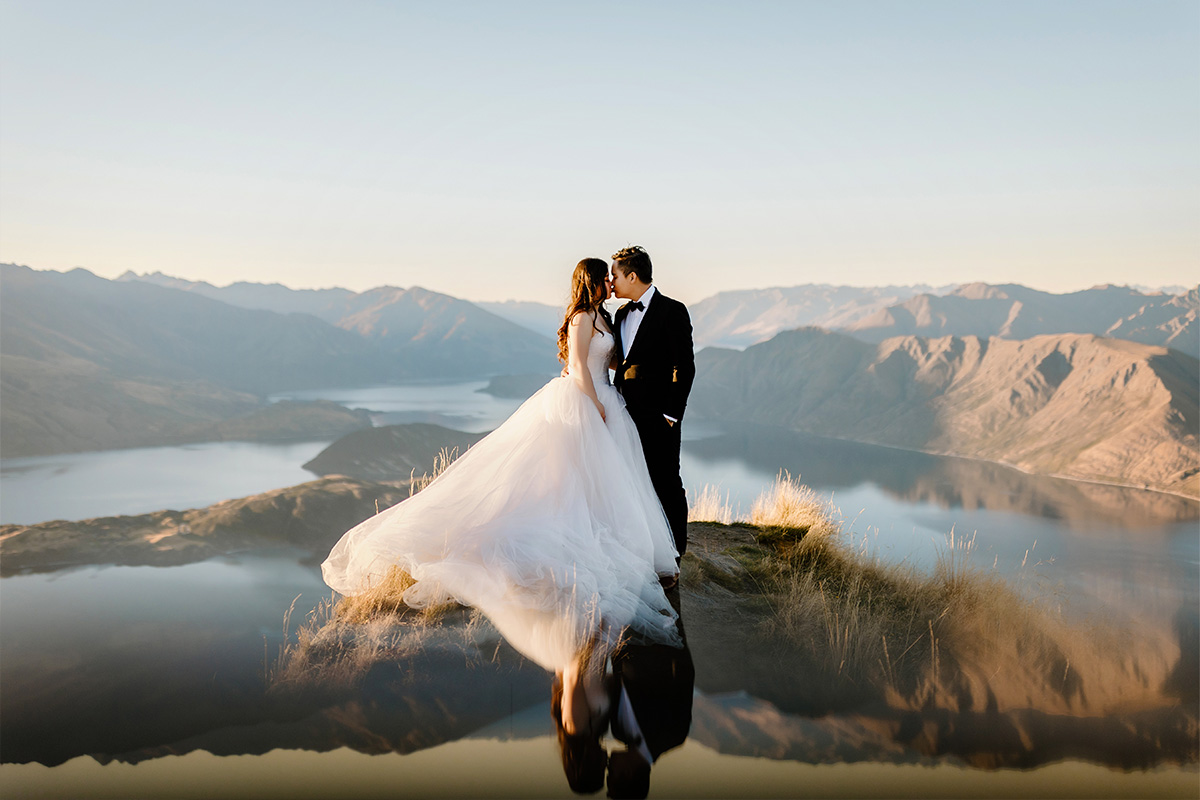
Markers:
<point>565,525</point>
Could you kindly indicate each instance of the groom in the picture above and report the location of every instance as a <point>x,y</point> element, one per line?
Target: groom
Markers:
<point>657,366</point>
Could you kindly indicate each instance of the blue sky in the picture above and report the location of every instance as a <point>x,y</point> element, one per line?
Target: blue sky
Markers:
<point>481,149</point>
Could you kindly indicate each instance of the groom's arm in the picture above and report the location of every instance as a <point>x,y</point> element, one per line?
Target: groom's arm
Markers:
<point>683,363</point>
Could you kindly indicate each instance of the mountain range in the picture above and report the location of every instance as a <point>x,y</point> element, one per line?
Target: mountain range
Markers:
<point>321,303</point>
<point>744,317</point>
<point>425,334</point>
<point>89,363</point>
<point>1018,312</point>
<point>1099,384</point>
<point>738,319</point>
<point>1075,405</point>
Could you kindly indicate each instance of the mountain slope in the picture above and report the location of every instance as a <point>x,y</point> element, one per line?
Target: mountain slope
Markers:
<point>323,304</point>
<point>432,334</point>
<point>87,363</point>
<point>1018,312</point>
<point>393,452</point>
<point>71,405</point>
<point>745,317</point>
<point>1172,322</point>
<point>310,516</point>
<point>436,334</point>
<point>137,330</point>
<point>538,317</point>
<point>1073,405</point>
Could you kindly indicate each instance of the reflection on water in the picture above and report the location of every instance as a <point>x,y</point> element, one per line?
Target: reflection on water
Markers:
<point>105,660</point>
<point>948,483</point>
<point>140,480</point>
<point>496,765</point>
<point>151,671</point>
<point>654,711</point>
<point>76,486</point>
<point>1094,549</point>
<point>101,662</point>
<point>644,703</point>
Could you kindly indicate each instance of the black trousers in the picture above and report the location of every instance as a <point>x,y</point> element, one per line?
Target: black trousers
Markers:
<point>661,442</point>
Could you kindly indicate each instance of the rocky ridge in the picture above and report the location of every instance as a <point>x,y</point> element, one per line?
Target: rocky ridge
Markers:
<point>1079,406</point>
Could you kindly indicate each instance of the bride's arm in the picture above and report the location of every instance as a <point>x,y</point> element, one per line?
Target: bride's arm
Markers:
<point>579,339</point>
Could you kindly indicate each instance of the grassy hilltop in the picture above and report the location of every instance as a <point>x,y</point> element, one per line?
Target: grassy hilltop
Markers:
<point>781,606</point>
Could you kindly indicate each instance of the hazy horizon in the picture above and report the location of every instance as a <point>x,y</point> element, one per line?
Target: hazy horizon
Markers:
<point>1162,288</point>
<point>482,149</point>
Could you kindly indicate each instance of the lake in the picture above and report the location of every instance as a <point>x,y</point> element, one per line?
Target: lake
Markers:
<point>143,681</point>
<point>81,485</point>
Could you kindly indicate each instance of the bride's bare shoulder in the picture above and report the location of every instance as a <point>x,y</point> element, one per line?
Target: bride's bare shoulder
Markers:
<point>582,318</point>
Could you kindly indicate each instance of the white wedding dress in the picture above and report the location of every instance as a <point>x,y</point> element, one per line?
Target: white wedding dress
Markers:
<point>549,526</point>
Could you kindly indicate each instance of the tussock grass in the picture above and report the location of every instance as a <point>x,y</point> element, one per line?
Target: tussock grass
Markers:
<point>709,505</point>
<point>341,639</point>
<point>381,600</point>
<point>785,510</point>
<point>789,510</point>
<point>441,462</point>
<point>961,638</point>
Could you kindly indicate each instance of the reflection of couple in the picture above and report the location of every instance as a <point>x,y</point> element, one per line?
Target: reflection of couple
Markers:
<point>646,701</point>
<point>565,523</point>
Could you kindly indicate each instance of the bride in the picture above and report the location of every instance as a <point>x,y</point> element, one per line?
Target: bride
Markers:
<point>549,525</point>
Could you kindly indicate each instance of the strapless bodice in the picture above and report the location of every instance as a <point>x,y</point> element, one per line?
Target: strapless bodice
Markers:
<point>599,356</point>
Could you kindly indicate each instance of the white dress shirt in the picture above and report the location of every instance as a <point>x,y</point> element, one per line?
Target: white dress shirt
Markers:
<point>633,320</point>
<point>630,325</point>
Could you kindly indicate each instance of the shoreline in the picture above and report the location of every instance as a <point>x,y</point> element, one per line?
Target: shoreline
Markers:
<point>945,454</point>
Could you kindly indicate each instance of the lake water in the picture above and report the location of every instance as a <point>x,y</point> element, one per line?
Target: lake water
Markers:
<point>142,681</point>
<point>461,405</point>
<point>82,485</point>
<point>112,482</point>
<point>147,682</point>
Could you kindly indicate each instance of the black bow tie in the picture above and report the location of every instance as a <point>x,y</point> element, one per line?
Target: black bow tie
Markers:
<point>636,306</point>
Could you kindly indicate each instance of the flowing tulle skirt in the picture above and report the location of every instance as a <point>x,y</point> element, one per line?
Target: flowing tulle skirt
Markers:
<point>549,526</point>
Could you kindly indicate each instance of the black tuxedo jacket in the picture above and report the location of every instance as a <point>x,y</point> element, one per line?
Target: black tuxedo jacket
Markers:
<point>660,681</point>
<point>656,376</point>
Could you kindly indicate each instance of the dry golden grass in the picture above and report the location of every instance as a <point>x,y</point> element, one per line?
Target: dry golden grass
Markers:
<point>441,462</point>
<point>787,506</point>
<point>709,505</point>
<point>961,638</point>
<point>789,509</point>
<point>387,597</point>
<point>342,638</point>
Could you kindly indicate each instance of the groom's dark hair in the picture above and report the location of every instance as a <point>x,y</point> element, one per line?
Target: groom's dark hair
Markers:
<point>636,260</point>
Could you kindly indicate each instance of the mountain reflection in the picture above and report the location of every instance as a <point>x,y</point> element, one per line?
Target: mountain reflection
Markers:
<point>946,481</point>
<point>125,682</point>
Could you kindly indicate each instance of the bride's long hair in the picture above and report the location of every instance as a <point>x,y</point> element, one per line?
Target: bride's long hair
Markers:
<point>587,295</point>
